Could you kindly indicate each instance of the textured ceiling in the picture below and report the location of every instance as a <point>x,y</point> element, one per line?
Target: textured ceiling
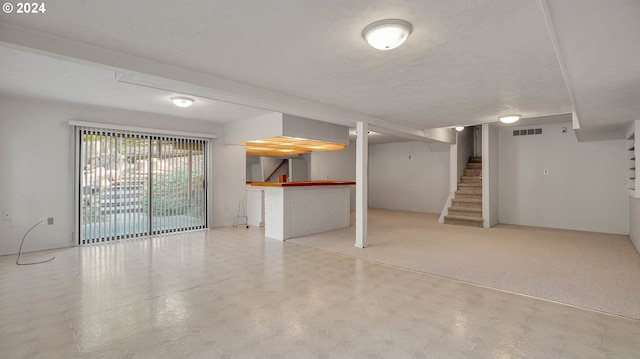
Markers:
<point>467,62</point>
<point>29,75</point>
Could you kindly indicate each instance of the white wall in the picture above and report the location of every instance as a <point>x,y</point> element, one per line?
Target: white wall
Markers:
<point>464,149</point>
<point>419,183</point>
<point>335,165</point>
<point>634,221</point>
<point>584,190</point>
<point>37,175</point>
<point>298,169</point>
<point>273,165</point>
<point>490,177</point>
<point>254,169</point>
<point>228,182</point>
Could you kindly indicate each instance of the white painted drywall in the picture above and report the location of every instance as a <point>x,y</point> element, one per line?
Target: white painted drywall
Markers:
<point>254,169</point>
<point>335,165</point>
<point>634,221</point>
<point>273,167</point>
<point>294,126</point>
<point>298,169</point>
<point>264,126</point>
<point>490,177</point>
<point>255,206</point>
<point>229,182</point>
<point>419,183</point>
<point>464,149</point>
<point>37,175</point>
<point>298,211</point>
<point>278,124</point>
<point>584,190</point>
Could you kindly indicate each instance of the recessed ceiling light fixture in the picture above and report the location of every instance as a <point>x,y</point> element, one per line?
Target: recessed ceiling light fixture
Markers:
<point>387,34</point>
<point>182,101</point>
<point>459,128</point>
<point>509,119</point>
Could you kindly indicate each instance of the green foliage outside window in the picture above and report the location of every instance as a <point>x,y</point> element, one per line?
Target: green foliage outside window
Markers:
<point>171,194</point>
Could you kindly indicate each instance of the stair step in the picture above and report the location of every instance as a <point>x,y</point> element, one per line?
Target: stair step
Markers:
<point>464,221</point>
<point>474,166</point>
<point>467,200</point>
<point>464,187</point>
<point>473,172</point>
<point>466,203</point>
<point>465,212</point>
<point>469,195</point>
<point>475,159</point>
<point>471,179</point>
<point>471,191</point>
<point>470,184</point>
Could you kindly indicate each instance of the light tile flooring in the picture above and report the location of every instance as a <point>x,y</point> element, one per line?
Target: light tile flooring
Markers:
<point>229,293</point>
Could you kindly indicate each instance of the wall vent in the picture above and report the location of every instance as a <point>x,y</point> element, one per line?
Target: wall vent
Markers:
<point>527,131</point>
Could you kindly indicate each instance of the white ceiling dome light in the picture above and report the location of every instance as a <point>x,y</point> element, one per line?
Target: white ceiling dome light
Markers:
<point>387,34</point>
<point>182,101</point>
<point>459,128</point>
<point>509,119</point>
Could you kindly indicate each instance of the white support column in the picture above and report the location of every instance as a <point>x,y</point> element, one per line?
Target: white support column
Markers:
<point>362,160</point>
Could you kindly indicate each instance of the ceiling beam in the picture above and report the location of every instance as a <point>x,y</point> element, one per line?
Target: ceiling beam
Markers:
<point>546,11</point>
<point>143,72</point>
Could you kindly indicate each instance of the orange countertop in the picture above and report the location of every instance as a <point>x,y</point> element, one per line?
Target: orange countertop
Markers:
<point>303,183</point>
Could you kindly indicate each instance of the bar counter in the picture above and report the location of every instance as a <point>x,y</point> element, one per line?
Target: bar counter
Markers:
<point>294,209</point>
<point>303,183</point>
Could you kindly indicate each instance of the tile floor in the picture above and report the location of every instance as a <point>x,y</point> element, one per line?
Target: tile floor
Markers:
<point>229,293</point>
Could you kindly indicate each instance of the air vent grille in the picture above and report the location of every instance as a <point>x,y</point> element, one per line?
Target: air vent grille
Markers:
<point>527,132</point>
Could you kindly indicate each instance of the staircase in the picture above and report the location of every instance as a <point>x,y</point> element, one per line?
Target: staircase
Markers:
<point>466,207</point>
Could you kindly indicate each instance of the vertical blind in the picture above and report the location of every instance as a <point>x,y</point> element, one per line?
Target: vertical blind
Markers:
<point>139,184</point>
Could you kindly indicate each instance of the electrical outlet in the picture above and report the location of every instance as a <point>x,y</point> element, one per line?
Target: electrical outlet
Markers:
<point>43,220</point>
<point>6,215</point>
<point>545,171</point>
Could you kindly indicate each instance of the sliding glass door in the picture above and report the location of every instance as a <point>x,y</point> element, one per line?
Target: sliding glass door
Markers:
<point>134,184</point>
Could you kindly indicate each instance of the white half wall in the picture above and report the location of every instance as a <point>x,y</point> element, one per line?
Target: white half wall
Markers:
<point>37,175</point>
<point>408,176</point>
<point>584,190</point>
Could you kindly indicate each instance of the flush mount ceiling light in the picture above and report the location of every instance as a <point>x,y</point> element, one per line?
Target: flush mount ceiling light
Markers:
<point>459,128</point>
<point>509,119</point>
<point>387,34</point>
<point>182,101</point>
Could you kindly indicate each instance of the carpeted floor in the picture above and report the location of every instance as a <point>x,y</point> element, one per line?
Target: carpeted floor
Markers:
<point>590,270</point>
